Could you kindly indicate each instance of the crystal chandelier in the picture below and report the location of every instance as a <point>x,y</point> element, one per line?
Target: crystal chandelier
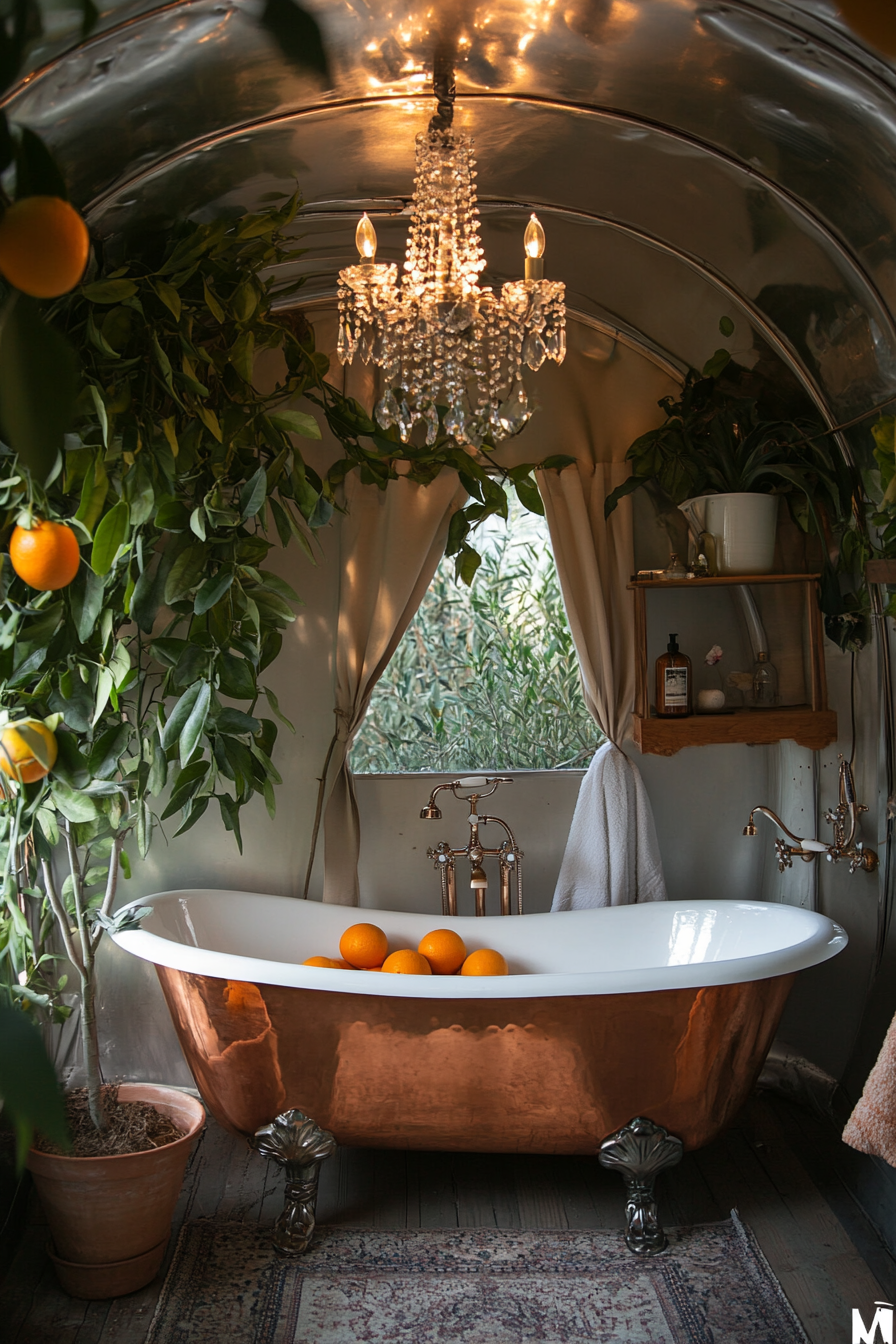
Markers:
<point>447,345</point>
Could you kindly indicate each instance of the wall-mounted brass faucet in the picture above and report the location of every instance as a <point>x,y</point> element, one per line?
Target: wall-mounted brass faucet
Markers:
<point>845,820</point>
<point>508,853</point>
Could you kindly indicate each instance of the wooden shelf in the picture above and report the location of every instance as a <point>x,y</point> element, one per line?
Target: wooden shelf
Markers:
<point>812,725</point>
<point>814,728</point>
<point>722,581</point>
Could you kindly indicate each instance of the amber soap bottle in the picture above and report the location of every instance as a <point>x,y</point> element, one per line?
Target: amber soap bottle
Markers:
<point>673,682</point>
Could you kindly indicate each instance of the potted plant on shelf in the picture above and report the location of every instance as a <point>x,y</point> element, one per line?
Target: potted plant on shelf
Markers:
<point>726,467</point>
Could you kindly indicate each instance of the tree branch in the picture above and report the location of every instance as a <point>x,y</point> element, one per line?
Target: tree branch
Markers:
<point>61,916</point>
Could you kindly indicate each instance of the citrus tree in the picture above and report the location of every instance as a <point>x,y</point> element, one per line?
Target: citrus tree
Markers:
<point>137,612</point>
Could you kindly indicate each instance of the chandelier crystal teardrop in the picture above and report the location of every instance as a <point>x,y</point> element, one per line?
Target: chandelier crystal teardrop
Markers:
<point>451,350</point>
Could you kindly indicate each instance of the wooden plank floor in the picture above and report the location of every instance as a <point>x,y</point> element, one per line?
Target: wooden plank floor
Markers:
<point>777,1166</point>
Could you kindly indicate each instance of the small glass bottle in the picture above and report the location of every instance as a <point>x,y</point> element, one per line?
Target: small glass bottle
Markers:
<point>765,683</point>
<point>673,682</point>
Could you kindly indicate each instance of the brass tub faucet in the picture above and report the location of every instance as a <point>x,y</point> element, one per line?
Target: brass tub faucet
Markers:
<point>508,853</point>
<point>845,820</point>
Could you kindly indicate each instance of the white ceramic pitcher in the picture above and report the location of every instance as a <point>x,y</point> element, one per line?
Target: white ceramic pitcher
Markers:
<point>742,526</point>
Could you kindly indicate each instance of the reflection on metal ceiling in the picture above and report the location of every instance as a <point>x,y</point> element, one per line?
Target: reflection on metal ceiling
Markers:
<point>688,159</point>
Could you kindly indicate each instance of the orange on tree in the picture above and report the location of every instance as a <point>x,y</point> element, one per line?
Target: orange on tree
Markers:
<point>486,961</point>
<point>43,246</point>
<point>45,555</point>
<point>364,946</point>
<point>444,950</point>
<point>407,962</point>
<point>18,759</point>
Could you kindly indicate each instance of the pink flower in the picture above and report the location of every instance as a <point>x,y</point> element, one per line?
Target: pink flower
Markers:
<point>714,656</point>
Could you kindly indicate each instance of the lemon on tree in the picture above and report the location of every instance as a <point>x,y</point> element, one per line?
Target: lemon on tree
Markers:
<point>28,749</point>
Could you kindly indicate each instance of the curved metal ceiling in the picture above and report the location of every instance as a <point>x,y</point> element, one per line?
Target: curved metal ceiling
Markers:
<point>690,160</point>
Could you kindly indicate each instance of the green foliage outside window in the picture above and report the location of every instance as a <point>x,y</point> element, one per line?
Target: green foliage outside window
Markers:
<point>486,677</point>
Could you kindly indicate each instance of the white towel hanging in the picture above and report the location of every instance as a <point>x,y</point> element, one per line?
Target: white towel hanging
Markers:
<point>612,856</point>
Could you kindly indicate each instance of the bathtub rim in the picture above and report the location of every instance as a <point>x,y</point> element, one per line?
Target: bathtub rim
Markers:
<point>825,939</point>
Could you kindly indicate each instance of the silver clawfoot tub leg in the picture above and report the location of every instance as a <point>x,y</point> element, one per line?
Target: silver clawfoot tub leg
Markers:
<point>639,1152</point>
<point>298,1145</point>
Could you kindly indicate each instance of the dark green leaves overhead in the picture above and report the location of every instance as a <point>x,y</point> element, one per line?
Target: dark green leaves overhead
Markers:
<point>38,383</point>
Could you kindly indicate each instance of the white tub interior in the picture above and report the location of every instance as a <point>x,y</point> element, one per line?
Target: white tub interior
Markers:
<point>624,949</point>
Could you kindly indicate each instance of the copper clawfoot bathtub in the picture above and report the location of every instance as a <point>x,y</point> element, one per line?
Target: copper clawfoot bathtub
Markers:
<point>662,1011</point>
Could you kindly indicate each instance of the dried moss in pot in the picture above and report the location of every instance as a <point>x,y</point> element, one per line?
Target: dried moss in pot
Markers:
<point>133,1127</point>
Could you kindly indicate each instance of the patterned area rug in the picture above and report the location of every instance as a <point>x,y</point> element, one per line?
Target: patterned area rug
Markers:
<point>475,1285</point>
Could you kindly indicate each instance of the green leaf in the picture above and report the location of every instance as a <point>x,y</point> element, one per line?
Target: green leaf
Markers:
<point>297,35</point>
<point>179,716</point>
<point>296,422</point>
<point>197,523</point>
<point>527,493</point>
<point>726,326</point>
<point>28,1087</point>
<point>72,803</point>
<point>195,724</point>
<point>212,303</point>
<point>100,408</point>
<point>716,363</point>
<point>38,384</point>
<point>107,750</point>
<point>139,492</point>
<point>109,291</point>
<point>253,494</point>
<point>197,809</point>
<point>467,563</point>
<point>242,355</point>
<point>236,677</point>
<point>185,786</point>
<point>149,592</point>
<point>186,572</point>
<point>275,706</point>
<point>162,360</point>
<point>86,597</point>
<point>244,301</point>
<point>173,516</point>
<point>233,722</point>
<point>230,815</point>
<point>210,420</point>
<point>71,766</point>
<point>105,684</point>
<point>169,296</point>
<point>93,493</point>
<point>212,590</point>
<point>110,533</point>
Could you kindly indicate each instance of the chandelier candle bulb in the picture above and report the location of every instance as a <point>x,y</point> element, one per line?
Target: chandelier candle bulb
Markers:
<point>533,243</point>
<point>365,240</point>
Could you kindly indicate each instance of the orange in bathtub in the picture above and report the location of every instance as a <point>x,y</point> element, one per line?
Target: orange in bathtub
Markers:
<point>407,962</point>
<point>444,950</point>
<point>363,946</point>
<point>485,962</point>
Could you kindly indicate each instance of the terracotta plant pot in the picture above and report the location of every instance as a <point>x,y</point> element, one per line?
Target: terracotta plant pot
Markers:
<point>110,1217</point>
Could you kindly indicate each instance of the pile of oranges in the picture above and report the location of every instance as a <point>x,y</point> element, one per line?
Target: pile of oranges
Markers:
<point>364,947</point>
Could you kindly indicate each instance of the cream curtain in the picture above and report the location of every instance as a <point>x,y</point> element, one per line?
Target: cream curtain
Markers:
<point>391,542</point>
<point>595,559</point>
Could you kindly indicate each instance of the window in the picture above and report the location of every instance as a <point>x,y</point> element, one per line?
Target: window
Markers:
<point>485,678</point>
